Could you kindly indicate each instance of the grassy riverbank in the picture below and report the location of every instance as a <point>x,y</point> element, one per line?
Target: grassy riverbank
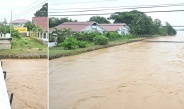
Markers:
<point>25,47</point>
<point>56,52</point>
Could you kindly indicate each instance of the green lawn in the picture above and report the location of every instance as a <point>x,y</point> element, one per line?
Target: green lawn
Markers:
<point>26,46</point>
<point>53,51</point>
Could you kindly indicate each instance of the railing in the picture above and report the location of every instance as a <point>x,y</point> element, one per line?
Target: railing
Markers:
<point>4,99</point>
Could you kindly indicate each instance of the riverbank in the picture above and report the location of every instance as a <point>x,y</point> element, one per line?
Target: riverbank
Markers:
<point>57,52</point>
<point>25,48</point>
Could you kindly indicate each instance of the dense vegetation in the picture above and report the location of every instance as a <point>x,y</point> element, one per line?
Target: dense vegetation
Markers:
<point>99,19</point>
<point>43,12</point>
<point>141,24</point>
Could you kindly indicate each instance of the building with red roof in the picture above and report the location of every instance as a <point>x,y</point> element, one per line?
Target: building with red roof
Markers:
<point>19,22</point>
<point>81,27</point>
<point>41,22</point>
<point>121,28</point>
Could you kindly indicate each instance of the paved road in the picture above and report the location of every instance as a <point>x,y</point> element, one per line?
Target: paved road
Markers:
<point>141,75</point>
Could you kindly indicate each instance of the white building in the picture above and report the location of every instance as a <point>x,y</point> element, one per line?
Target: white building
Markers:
<point>81,27</point>
<point>19,22</point>
<point>121,28</point>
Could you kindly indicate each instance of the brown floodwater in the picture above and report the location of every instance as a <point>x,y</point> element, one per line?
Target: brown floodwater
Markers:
<point>142,75</point>
<point>27,80</point>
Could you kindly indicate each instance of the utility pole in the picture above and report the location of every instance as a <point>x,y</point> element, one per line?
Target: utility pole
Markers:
<point>11,24</point>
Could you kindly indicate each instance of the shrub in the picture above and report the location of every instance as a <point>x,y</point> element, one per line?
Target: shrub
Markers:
<point>69,43</point>
<point>100,40</point>
<point>82,44</point>
<point>114,36</point>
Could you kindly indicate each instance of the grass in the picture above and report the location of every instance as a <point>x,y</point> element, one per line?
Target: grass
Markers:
<point>26,46</point>
<point>53,51</point>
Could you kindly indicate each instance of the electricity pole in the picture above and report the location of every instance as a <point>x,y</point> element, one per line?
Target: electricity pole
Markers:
<point>11,24</point>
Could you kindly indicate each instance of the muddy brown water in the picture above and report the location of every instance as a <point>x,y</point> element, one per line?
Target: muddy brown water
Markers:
<point>142,75</point>
<point>27,80</point>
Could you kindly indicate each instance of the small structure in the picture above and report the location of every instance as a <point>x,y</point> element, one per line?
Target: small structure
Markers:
<point>121,28</point>
<point>81,27</point>
<point>42,22</point>
<point>5,41</point>
<point>19,22</point>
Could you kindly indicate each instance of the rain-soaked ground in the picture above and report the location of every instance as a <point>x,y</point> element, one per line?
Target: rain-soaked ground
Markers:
<point>27,80</point>
<point>140,75</point>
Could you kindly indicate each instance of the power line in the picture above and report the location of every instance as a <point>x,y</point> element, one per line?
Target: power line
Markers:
<point>113,13</point>
<point>83,2</point>
<point>177,4</point>
<point>30,10</point>
<point>118,8</point>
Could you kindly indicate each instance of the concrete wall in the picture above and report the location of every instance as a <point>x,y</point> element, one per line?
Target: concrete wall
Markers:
<point>5,44</point>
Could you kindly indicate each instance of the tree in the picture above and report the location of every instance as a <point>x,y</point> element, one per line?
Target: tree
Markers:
<point>29,26</point>
<point>139,22</point>
<point>43,12</point>
<point>56,21</point>
<point>99,19</point>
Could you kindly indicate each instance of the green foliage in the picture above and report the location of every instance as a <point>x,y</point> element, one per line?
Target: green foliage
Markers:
<point>100,40</point>
<point>15,33</point>
<point>43,12</point>
<point>70,43</point>
<point>112,36</point>
<point>167,30</point>
<point>82,44</point>
<point>29,26</point>
<point>99,19</point>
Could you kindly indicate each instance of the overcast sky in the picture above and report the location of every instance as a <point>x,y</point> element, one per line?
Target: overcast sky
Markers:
<point>21,9</point>
<point>174,18</point>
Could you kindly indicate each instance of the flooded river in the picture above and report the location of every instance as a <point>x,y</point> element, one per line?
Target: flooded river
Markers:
<point>27,80</point>
<point>140,75</point>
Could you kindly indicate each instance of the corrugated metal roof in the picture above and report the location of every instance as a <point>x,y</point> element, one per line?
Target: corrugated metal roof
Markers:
<point>20,21</point>
<point>74,26</point>
<point>112,27</point>
<point>41,22</point>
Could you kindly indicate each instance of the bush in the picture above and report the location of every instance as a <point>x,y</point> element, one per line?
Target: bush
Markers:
<point>100,40</point>
<point>69,43</point>
<point>15,34</point>
<point>114,36</point>
<point>82,44</point>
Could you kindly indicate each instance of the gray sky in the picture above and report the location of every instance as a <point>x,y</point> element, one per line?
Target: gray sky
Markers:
<point>21,9</point>
<point>174,18</point>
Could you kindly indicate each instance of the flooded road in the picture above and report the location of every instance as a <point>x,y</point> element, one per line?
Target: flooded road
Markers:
<point>140,75</point>
<point>27,80</point>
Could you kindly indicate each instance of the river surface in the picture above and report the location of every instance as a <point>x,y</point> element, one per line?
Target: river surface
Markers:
<point>27,80</point>
<point>142,75</point>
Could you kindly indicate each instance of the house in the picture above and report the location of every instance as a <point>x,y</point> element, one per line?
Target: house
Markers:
<point>121,28</point>
<point>19,22</point>
<point>81,27</point>
<point>41,22</point>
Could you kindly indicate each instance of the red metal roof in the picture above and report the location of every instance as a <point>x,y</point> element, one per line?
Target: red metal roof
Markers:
<point>74,26</point>
<point>20,21</point>
<point>41,22</point>
<point>112,27</point>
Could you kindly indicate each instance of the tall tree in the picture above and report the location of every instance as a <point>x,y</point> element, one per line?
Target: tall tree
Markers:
<point>99,19</point>
<point>43,12</point>
<point>138,22</point>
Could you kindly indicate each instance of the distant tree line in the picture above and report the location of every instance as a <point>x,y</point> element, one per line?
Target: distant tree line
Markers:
<point>139,23</point>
